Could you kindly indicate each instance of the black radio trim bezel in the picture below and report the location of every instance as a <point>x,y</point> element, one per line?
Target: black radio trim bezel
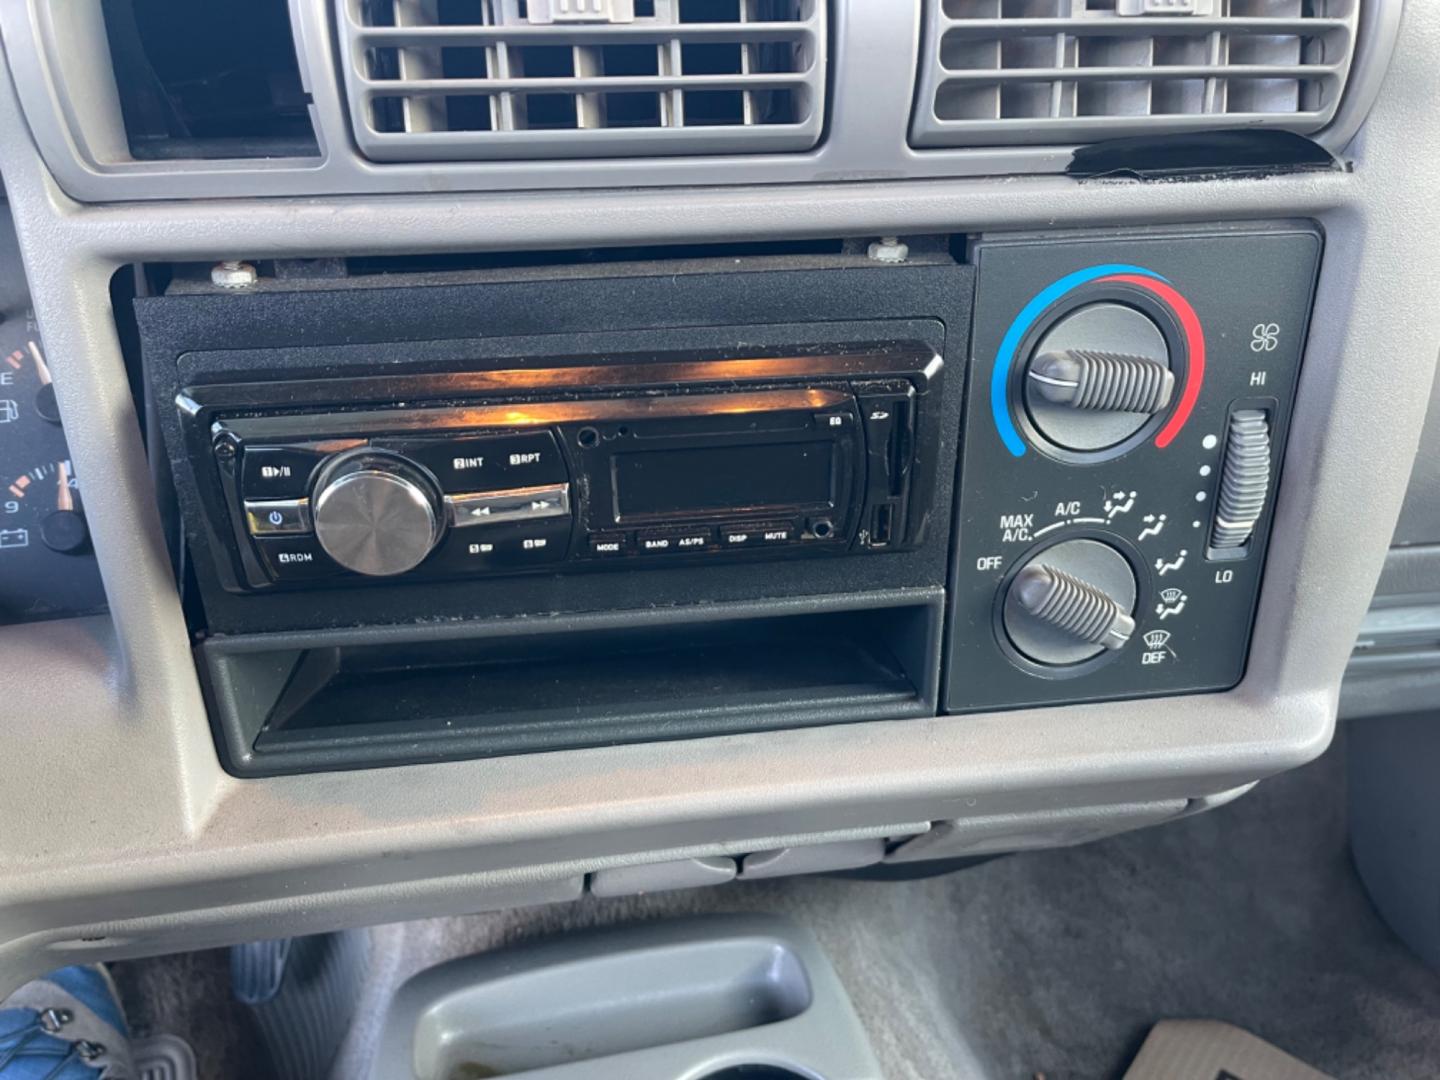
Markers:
<point>425,326</point>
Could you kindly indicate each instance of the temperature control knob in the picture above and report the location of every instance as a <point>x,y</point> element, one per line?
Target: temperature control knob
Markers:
<point>1097,376</point>
<point>1071,602</point>
<point>376,513</point>
<point>1103,381</point>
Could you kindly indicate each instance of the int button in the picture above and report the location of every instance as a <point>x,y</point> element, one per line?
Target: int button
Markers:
<point>490,462</point>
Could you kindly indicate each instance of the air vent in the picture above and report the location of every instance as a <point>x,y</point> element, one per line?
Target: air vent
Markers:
<point>207,80</point>
<point>1056,71</point>
<point>458,80</point>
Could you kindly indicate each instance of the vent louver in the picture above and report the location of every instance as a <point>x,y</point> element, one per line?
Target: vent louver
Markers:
<point>435,80</point>
<point>1054,71</point>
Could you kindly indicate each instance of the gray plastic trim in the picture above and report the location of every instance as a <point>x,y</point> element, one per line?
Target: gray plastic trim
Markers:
<point>818,858</point>
<point>58,61</point>
<point>150,847</point>
<point>968,837</point>
<point>737,990</point>
<point>1420,519</point>
<point>663,877</point>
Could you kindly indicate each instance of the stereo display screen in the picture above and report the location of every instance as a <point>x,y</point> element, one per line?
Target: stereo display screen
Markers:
<point>710,478</point>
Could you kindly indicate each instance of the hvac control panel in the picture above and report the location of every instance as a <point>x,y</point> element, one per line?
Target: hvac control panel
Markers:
<point>1127,410</point>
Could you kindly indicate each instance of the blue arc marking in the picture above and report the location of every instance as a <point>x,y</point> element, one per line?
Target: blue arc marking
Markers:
<point>1000,377</point>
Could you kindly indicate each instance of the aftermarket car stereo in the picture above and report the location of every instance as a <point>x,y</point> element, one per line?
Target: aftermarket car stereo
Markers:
<point>559,466</point>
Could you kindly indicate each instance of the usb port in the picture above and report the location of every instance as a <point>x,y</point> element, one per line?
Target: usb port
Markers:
<point>881,526</point>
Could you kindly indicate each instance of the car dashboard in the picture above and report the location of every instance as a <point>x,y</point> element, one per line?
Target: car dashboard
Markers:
<point>468,459</point>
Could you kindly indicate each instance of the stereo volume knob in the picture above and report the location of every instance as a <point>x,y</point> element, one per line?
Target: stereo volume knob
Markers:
<point>1071,602</point>
<point>376,513</point>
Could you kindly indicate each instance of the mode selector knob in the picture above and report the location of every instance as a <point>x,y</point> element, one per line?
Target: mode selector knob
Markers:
<point>1070,603</point>
<point>376,513</point>
<point>1073,606</point>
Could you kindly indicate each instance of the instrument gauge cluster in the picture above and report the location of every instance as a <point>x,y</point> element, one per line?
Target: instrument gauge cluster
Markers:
<point>47,564</point>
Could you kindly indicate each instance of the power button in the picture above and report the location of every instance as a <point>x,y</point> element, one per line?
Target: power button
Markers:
<point>277,517</point>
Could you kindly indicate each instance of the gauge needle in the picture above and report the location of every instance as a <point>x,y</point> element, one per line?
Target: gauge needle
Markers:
<point>65,498</point>
<point>41,368</point>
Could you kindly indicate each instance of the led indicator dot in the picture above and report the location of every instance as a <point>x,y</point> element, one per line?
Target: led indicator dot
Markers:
<point>1194,524</point>
<point>1209,442</point>
<point>1199,496</point>
<point>1204,470</point>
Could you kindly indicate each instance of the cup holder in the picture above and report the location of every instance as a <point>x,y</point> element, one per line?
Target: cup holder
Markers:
<point>719,998</point>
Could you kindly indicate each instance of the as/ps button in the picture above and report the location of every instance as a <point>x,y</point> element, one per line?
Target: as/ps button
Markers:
<point>673,541</point>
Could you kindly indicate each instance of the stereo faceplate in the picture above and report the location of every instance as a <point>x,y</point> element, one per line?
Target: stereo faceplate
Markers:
<point>646,460</point>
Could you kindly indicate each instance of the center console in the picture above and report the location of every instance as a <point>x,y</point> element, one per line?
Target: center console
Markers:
<point>478,512</point>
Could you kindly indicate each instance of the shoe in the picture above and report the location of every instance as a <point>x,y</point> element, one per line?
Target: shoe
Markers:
<point>66,1026</point>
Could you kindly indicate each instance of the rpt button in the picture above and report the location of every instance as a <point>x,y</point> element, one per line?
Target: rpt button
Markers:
<point>492,462</point>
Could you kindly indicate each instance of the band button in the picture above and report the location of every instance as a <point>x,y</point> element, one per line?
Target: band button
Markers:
<point>658,541</point>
